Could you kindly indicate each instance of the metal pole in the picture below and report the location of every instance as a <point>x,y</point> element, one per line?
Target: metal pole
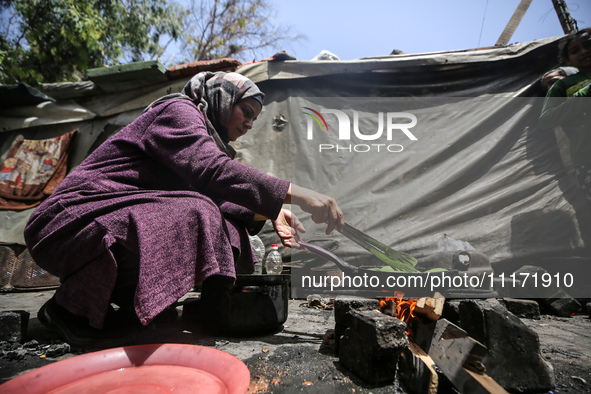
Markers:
<point>513,23</point>
<point>569,25</point>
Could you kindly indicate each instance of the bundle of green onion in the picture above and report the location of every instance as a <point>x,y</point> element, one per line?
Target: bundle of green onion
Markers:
<point>396,261</point>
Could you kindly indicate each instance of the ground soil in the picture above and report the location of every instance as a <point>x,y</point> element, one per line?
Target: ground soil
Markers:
<point>566,344</point>
<point>297,358</point>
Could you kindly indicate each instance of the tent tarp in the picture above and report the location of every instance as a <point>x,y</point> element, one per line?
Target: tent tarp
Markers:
<point>480,170</point>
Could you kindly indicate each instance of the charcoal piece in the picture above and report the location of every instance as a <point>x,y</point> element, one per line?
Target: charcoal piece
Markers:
<point>13,325</point>
<point>32,344</point>
<point>57,350</point>
<point>371,346</point>
<point>345,304</point>
<point>16,355</point>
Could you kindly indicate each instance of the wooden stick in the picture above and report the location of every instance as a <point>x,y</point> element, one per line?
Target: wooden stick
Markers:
<point>430,307</point>
<point>459,357</point>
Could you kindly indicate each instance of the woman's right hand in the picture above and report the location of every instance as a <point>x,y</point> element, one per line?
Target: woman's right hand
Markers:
<point>324,209</point>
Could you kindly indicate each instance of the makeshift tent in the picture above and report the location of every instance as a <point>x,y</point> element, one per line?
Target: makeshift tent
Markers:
<point>480,172</point>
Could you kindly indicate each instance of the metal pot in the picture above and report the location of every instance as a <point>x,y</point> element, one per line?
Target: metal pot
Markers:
<point>254,304</point>
<point>258,303</point>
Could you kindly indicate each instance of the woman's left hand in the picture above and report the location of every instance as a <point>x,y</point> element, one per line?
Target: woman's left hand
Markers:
<point>287,226</point>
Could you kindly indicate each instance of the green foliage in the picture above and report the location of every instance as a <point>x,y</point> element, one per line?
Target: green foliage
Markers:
<point>58,40</point>
<point>45,41</point>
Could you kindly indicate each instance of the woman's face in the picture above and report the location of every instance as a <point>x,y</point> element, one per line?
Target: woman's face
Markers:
<point>244,113</point>
<point>579,52</point>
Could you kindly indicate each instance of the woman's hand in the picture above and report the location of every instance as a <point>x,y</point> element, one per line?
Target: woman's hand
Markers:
<point>287,226</point>
<point>324,209</point>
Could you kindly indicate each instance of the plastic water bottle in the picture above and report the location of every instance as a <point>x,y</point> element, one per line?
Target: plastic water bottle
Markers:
<point>274,262</point>
<point>259,251</point>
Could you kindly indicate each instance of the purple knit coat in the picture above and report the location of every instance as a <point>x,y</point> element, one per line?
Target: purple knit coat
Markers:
<point>161,188</point>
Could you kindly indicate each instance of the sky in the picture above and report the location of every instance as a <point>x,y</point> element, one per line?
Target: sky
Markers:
<point>357,29</point>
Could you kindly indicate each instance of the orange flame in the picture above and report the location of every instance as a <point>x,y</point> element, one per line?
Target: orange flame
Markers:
<point>404,308</point>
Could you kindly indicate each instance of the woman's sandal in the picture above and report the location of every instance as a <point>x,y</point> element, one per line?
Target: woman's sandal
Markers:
<point>76,331</point>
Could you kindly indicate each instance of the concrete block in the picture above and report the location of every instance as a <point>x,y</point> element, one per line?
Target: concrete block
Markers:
<point>527,309</point>
<point>564,306</point>
<point>514,359</point>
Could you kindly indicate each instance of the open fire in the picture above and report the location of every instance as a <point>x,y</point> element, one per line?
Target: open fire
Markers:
<point>436,347</point>
<point>433,354</point>
<point>400,308</point>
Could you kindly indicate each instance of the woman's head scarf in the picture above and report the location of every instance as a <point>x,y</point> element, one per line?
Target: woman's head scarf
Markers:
<point>564,71</point>
<point>216,94</point>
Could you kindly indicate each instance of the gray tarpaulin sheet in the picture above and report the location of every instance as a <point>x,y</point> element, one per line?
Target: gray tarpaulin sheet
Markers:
<point>480,170</point>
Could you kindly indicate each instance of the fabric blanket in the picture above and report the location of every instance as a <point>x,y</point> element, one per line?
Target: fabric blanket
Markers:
<point>32,170</point>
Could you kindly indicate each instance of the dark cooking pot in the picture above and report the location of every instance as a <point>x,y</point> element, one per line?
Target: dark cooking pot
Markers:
<point>258,303</point>
<point>254,304</point>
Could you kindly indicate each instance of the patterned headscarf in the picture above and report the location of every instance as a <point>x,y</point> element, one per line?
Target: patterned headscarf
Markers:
<point>216,94</point>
